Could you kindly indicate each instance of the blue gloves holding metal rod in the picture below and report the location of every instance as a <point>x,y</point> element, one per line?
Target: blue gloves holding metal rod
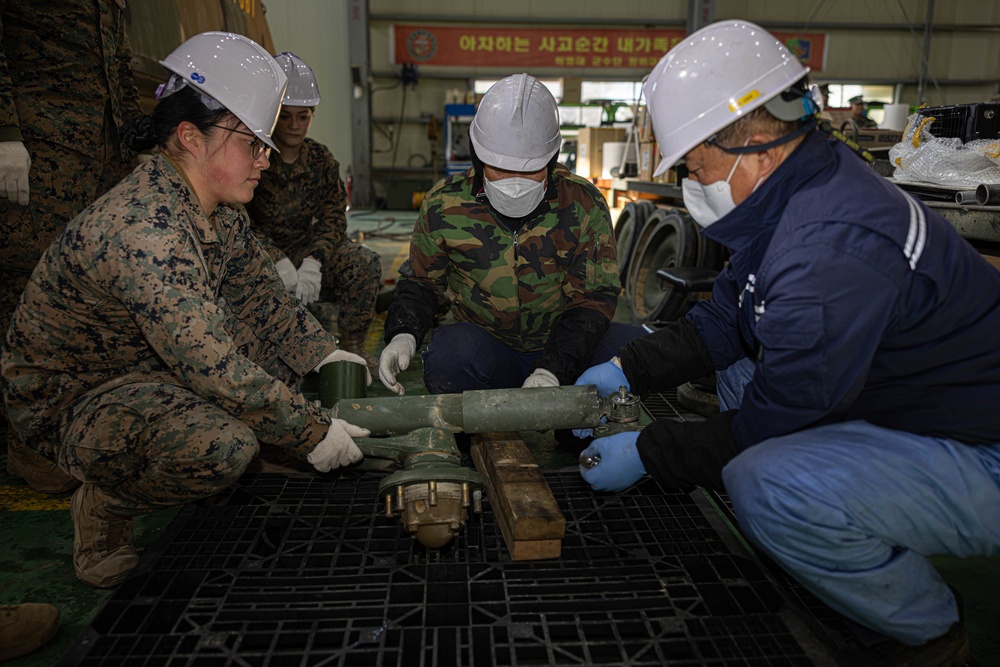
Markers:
<point>619,465</point>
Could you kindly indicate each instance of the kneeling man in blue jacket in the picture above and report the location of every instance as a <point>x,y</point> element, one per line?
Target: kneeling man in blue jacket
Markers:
<point>853,334</point>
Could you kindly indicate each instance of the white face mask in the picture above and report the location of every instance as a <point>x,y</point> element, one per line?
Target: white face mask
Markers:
<point>708,203</point>
<point>515,197</point>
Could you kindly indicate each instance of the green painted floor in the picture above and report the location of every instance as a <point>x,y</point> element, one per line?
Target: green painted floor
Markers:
<point>36,549</point>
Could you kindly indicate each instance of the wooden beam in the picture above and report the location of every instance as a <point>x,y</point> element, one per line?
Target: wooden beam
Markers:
<point>530,520</point>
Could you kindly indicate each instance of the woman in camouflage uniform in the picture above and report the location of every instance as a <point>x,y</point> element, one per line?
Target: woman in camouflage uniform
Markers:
<point>299,213</point>
<point>155,347</point>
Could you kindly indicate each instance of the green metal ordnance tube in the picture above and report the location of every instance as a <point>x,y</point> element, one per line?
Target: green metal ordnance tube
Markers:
<point>479,411</point>
<point>341,379</point>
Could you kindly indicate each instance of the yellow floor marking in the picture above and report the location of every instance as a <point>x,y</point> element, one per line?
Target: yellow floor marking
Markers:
<point>21,498</point>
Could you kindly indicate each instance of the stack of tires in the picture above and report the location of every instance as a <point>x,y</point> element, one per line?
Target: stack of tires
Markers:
<point>651,237</point>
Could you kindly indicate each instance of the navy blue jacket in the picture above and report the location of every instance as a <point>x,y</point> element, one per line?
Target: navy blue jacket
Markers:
<point>857,303</point>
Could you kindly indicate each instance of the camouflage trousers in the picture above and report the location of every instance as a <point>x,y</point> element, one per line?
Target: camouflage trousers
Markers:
<point>352,280</point>
<point>155,444</point>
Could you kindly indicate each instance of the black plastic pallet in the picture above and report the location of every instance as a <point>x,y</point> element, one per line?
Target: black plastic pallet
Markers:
<point>304,570</point>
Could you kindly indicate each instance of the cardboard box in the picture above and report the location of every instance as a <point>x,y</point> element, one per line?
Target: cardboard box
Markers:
<point>872,138</point>
<point>644,124</point>
<point>649,159</point>
<point>571,90</point>
<point>590,148</point>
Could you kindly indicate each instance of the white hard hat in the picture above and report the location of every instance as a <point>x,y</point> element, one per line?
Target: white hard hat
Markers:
<point>517,125</point>
<point>302,91</point>
<point>712,79</point>
<point>236,72</point>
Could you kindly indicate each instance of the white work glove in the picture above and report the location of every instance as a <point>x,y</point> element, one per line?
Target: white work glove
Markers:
<point>287,272</point>
<point>344,355</point>
<point>14,166</point>
<point>310,279</point>
<point>540,378</point>
<point>395,358</point>
<point>337,448</point>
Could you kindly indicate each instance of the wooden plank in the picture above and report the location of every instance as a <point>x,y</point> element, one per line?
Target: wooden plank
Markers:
<point>530,520</point>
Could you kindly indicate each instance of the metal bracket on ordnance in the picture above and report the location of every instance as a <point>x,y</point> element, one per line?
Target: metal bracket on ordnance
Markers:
<point>623,416</point>
<point>433,491</point>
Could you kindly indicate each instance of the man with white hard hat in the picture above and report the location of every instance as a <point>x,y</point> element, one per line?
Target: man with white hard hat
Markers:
<point>854,338</point>
<point>526,249</point>
<point>299,213</point>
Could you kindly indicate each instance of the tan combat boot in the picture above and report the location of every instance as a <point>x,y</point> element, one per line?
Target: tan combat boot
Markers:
<point>103,554</point>
<point>356,343</point>
<point>40,473</point>
<point>25,628</point>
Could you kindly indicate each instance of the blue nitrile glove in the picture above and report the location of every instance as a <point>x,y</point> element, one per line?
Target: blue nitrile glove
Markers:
<point>620,466</point>
<point>608,377</point>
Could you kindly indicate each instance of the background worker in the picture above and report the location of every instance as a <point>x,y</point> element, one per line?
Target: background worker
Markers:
<point>526,249</point>
<point>857,378</point>
<point>299,213</point>
<point>859,113</point>
<point>156,347</point>
<point>65,89</point>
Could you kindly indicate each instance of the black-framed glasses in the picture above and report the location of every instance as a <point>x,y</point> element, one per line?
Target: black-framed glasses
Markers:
<point>257,147</point>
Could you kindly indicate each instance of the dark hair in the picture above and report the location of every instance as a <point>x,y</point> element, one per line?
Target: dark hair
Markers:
<point>144,132</point>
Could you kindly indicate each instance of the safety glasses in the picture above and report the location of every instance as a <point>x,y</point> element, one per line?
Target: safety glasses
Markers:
<point>257,147</point>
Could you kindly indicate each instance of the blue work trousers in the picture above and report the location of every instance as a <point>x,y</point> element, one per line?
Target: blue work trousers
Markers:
<point>463,357</point>
<point>852,510</point>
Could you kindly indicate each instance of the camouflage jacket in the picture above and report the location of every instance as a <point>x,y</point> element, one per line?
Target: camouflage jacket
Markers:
<point>299,209</point>
<point>65,66</point>
<point>549,285</point>
<point>139,286</point>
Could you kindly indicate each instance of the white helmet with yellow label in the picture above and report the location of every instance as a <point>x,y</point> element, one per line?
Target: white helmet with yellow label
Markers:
<point>715,77</point>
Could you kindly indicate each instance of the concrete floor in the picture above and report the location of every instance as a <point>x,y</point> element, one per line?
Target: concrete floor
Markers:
<point>36,551</point>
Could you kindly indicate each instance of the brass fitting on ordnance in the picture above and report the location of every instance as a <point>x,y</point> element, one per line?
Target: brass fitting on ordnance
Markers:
<point>431,492</point>
<point>624,406</point>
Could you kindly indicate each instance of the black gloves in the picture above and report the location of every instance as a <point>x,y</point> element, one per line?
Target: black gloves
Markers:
<point>687,454</point>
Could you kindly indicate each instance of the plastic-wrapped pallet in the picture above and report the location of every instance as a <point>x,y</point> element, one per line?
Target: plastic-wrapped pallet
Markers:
<point>923,158</point>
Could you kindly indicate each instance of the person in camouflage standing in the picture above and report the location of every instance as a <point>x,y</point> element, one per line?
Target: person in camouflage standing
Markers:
<point>527,250</point>
<point>299,213</point>
<point>65,89</point>
<point>155,347</point>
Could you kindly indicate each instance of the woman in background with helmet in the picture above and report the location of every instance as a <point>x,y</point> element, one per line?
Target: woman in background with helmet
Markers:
<point>299,214</point>
<point>527,251</point>
<point>155,346</point>
<point>855,343</point>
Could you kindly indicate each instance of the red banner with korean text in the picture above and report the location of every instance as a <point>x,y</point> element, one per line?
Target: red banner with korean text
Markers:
<point>522,48</point>
<point>516,48</point>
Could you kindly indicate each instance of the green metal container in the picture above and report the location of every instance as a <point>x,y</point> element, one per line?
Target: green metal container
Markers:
<point>341,379</point>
